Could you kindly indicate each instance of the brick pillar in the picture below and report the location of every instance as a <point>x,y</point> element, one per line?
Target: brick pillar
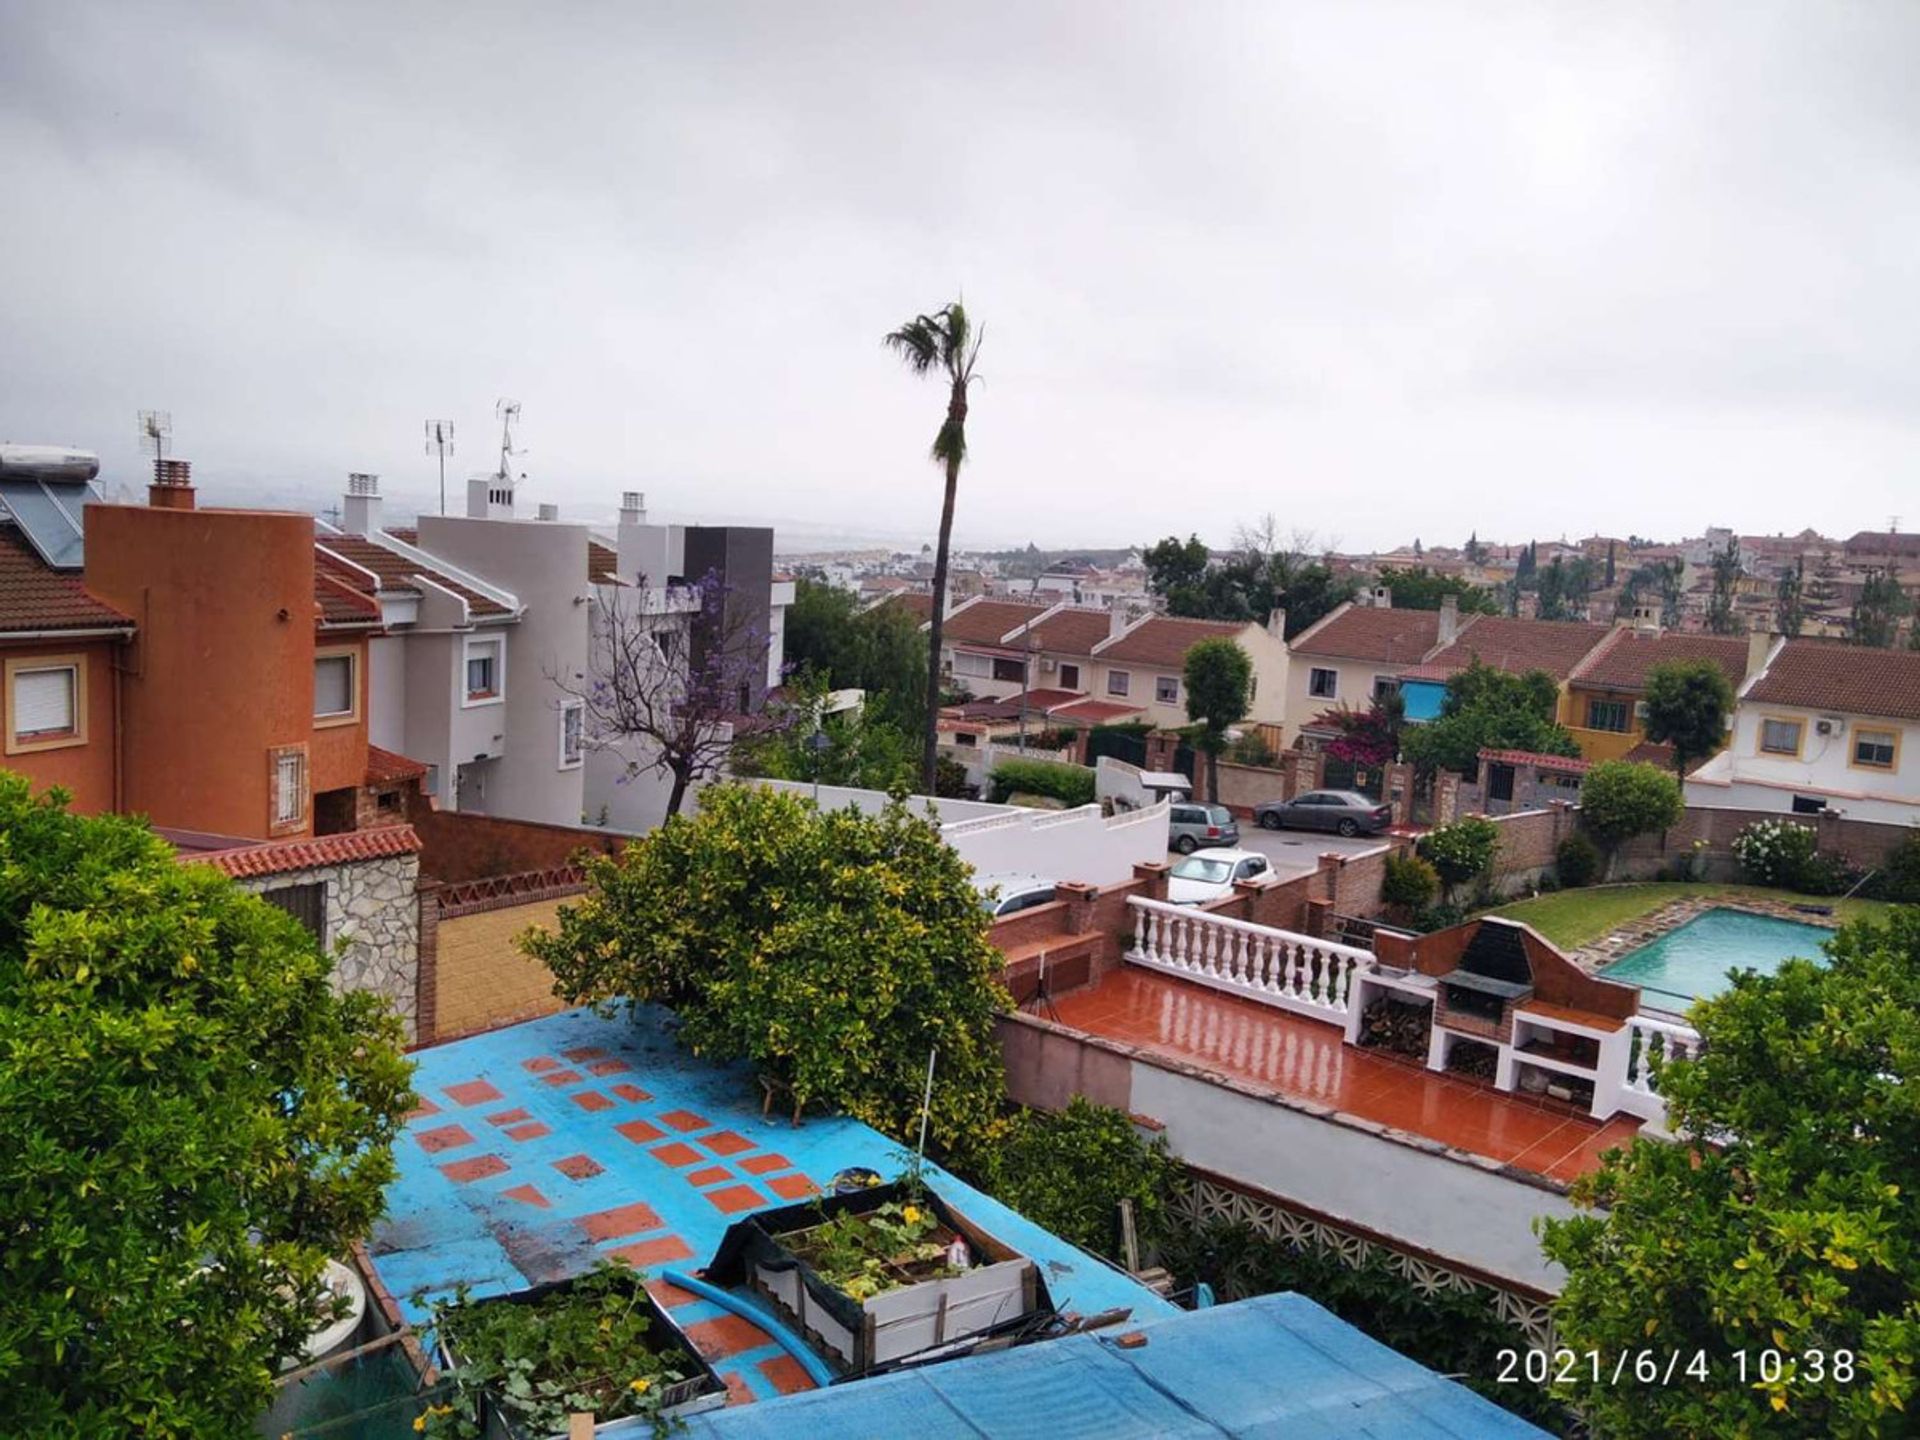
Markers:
<point>1312,767</point>
<point>426,983</point>
<point>1446,797</point>
<point>1081,898</point>
<point>1160,747</point>
<point>1153,877</point>
<point>1398,788</point>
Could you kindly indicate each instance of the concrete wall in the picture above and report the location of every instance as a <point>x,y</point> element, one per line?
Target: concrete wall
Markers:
<point>482,980</point>
<point>84,764</point>
<point>387,694</point>
<point>1743,777</point>
<point>544,564</point>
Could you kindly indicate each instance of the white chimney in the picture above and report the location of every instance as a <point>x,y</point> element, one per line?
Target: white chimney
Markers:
<point>1118,619</point>
<point>489,498</point>
<point>1449,619</point>
<point>549,511</point>
<point>1646,622</point>
<point>633,508</point>
<point>1277,624</point>
<point>360,515</point>
<point>1381,597</point>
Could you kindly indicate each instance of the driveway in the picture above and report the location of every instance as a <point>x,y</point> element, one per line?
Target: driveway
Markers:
<point>1297,852</point>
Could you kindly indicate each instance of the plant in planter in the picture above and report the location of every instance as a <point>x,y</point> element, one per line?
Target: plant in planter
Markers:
<point>521,1364</point>
<point>864,1255</point>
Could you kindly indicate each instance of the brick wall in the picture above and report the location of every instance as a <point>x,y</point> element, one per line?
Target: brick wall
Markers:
<point>459,846</point>
<point>473,975</point>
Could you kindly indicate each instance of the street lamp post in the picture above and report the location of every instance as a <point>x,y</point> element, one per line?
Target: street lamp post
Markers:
<point>817,745</point>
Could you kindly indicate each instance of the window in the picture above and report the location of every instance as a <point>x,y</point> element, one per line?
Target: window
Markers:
<point>1323,684</point>
<point>1809,805</point>
<point>1607,715</point>
<point>1385,685</point>
<point>1069,677</point>
<point>1251,868</point>
<point>1166,689</point>
<point>573,733</point>
<point>1780,737</point>
<point>289,780</point>
<point>1119,681</point>
<point>483,671</point>
<point>305,903</point>
<point>334,692</point>
<point>1014,670</point>
<point>44,702</point>
<point>965,737</point>
<point>1875,749</point>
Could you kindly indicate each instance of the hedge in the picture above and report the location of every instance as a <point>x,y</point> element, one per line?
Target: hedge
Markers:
<point>1072,785</point>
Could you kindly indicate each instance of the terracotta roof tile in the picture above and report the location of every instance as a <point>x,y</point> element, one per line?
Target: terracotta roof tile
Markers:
<point>918,604</point>
<point>1826,675</point>
<point>1073,631</point>
<point>983,622</point>
<point>1093,712</point>
<point>1565,764</point>
<point>341,604</point>
<point>384,766</point>
<point>1366,633</point>
<point>1517,646</point>
<point>396,571</point>
<point>1623,663</point>
<point>278,857</point>
<point>34,596</point>
<point>1164,640</point>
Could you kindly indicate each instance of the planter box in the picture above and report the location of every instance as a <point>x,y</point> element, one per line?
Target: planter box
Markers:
<point>702,1389</point>
<point>1000,1290</point>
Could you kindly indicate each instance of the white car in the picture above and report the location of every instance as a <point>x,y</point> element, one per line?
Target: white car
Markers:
<point>1209,874</point>
<point>1003,895</point>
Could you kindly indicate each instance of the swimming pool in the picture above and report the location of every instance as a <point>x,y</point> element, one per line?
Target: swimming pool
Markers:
<point>1691,962</point>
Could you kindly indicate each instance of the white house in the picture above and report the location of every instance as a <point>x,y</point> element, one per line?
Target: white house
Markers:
<point>1356,653</point>
<point>1822,727</point>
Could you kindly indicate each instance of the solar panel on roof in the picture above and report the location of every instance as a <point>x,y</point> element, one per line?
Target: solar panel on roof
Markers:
<point>52,515</point>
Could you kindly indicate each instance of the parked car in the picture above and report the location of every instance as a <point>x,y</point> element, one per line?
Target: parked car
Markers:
<point>1200,878</point>
<point>1002,895</point>
<point>1345,812</point>
<point>1192,827</point>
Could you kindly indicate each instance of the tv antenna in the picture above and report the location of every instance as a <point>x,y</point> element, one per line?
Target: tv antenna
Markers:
<point>440,442</point>
<point>156,428</point>
<point>508,411</point>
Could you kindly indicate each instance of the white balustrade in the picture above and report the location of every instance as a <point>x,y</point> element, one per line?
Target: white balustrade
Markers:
<point>1275,967</point>
<point>1647,1038</point>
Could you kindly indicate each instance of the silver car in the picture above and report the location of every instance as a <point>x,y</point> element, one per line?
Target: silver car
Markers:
<point>1192,827</point>
<point>1345,812</point>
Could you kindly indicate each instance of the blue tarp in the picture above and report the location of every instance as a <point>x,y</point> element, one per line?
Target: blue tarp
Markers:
<point>1423,698</point>
<point>1274,1368</point>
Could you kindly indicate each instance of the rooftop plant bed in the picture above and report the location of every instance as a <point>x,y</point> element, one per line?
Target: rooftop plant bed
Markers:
<point>522,1363</point>
<point>880,1274</point>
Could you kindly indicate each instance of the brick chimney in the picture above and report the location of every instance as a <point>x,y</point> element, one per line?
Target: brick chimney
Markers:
<point>172,487</point>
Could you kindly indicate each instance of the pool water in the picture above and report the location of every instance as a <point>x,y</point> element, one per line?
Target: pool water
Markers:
<point>1691,962</point>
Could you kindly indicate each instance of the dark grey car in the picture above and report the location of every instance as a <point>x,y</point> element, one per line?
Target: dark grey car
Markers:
<point>1345,812</point>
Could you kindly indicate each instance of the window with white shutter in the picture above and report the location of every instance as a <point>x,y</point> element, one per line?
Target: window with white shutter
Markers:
<point>46,703</point>
<point>333,686</point>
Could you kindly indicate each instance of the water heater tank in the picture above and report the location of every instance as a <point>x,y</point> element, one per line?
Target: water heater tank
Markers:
<point>47,462</point>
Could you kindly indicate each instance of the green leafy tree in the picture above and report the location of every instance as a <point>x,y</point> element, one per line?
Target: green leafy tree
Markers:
<point>944,344</point>
<point>1823,585</point>
<point>831,950</point>
<point>191,1122</point>
<point>853,748</point>
<point>1258,577</point>
<point>1620,799</point>
<point>1418,588</point>
<point>1722,619</point>
<point>1789,604</point>
<point>1068,1170</point>
<point>1688,703</point>
<point>1461,851</point>
<point>1219,685</point>
<point>842,647</point>
<point>1610,564</point>
<point>1177,571</point>
<point>1489,709</point>
<point>1794,1231</point>
<point>1879,610</point>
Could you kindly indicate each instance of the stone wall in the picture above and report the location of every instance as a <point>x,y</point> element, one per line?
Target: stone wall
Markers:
<point>371,921</point>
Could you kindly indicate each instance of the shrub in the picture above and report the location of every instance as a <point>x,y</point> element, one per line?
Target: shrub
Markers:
<point>830,950</point>
<point>1252,749</point>
<point>1825,873</point>
<point>1068,1171</point>
<point>1576,862</point>
<point>1621,799</point>
<point>1439,917</point>
<point>1462,850</point>
<point>1899,877</point>
<point>1410,881</point>
<point>1775,852</point>
<point>1071,785</point>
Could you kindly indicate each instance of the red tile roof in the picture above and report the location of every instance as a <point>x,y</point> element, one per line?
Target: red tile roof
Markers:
<point>1365,633</point>
<point>1623,662</point>
<point>1093,712</point>
<point>341,605</point>
<point>1073,631</point>
<point>397,572</point>
<point>1826,675</point>
<point>1566,764</point>
<point>34,596</point>
<point>1163,640</point>
<point>1649,752</point>
<point>983,622</point>
<point>385,766</point>
<point>1517,646</point>
<point>280,857</point>
<point>918,604</point>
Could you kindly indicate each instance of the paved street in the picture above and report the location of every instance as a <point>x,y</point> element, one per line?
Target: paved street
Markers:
<point>1294,852</point>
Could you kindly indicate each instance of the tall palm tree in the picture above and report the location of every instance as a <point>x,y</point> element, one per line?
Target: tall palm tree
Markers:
<point>942,343</point>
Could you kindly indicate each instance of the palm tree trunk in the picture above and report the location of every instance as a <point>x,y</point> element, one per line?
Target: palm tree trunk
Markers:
<point>930,748</point>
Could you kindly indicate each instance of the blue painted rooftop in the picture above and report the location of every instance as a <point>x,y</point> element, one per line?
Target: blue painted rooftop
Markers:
<point>1274,1368</point>
<point>543,1147</point>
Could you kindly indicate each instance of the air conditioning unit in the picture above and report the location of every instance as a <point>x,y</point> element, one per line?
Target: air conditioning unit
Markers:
<point>1640,710</point>
<point>1047,667</point>
<point>1827,725</point>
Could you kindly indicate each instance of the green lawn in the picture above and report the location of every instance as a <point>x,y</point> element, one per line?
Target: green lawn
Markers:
<point>1572,918</point>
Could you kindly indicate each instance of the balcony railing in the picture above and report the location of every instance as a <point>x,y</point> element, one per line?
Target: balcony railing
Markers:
<point>1275,967</point>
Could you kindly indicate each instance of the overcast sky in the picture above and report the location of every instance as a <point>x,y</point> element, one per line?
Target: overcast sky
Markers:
<point>1384,270</point>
